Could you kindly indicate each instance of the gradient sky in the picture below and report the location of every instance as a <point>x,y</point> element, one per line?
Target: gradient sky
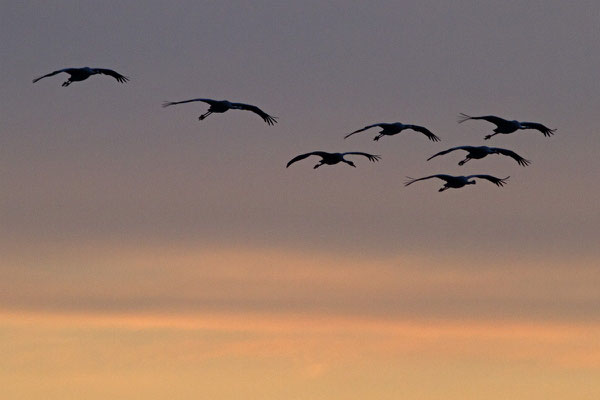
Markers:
<point>148,255</point>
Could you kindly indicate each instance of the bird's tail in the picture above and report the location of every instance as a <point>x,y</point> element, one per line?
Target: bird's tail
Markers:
<point>463,117</point>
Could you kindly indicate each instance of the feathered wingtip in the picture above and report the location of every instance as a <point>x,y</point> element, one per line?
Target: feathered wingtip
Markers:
<point>408,181</point>
<point>352,133</point>
<point>496,181</point>
<point>434,138</point>
<point>463,117</point>
<point>167,103</point>
<point>271,120</point>
<point>549,132</point>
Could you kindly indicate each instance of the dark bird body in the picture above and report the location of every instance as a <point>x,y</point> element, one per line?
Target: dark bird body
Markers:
<point>479,152</point>
<point>505,126</point>
<point>456,182</point>
<point>395,128</point>
<point>332,158</point>
<point>220,106</point>
<point>81,74</point>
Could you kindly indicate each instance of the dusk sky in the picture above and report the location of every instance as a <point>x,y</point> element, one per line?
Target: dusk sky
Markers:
<point>148,255</point>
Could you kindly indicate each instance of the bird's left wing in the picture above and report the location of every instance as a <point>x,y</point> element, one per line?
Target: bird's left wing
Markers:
<point>51,74</point>
<point>444,177</point>
<point>269,119</point>
<point>542,128</point>
<point>303,156</point>
<point>172,103</point>
<point>424,131</point>
<point>112,73</point>
<point>489,118</point>
<point>441,153</point>
<point>493,179</point>
<point>371,157</point>
<point>362,129</point>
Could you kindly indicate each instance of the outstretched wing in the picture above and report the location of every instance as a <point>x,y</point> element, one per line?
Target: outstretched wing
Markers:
<point>363,129</point>
<point>441,153</point>
<point>424,131</point>
<point>520,160</point>
<point>489,118</point>
<point>269,119</point>
<point>112,73</point>
<point>51,74</point>
<point>493,179</point>
<point>410,180</point>
<point>542,128</point>
<point>172,103</point>
<point>371,157</point>
<point>303,156</point>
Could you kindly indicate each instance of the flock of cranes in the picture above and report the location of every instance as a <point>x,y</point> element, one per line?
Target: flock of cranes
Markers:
<point>503,126</point>
<point>477,152</point>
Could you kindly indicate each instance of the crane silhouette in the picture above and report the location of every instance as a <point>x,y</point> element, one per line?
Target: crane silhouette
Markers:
<point>479,152</point>
<point>81,74</point>
<point>395,128</point>
<point>220,106</point>
<point>505,126</point>
<point>332,158</point>
<point>456,182</point>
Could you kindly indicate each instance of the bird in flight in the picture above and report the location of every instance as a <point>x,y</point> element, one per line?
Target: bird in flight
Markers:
<point>220,106</point>
<point>478,152</point>
<point>505,126</point>
<point>332,158</point>
<point>81,74</point>
<point>394,128</point>
<point>457,182</point>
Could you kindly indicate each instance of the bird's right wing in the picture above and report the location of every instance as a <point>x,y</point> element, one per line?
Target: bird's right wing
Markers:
<point>303,156</point>
<point>105,71</point>
<point>493,179</point>
<point>371,157</point>
<point>520,160</point>
<point>540,127</point>
<point>413,180</point>
<point>441,153</point>
<point>489,118</point>
<point>172,103</point>
<point>51,74</point>
<point>363,129</point>
<point>424,131</point>
<point>269,119</point>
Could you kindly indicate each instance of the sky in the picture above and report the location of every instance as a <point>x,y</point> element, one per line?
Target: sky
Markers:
<point>150,255</point>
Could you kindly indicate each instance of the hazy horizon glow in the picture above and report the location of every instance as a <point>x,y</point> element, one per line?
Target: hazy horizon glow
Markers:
<point>117,355</point>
